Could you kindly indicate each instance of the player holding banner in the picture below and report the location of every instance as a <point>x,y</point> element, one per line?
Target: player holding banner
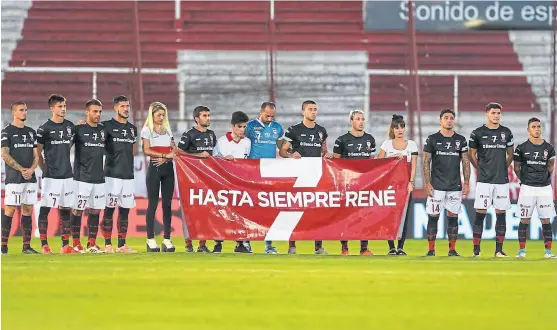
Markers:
<point>307,139</point>
<point>265,135</point>
<point>491,152</point>
<point>199,141</point>
<point>19,151</point>
<point>234,145</point>
<point>356,144</point>
<point>444,151</point>
<point>533,164</point>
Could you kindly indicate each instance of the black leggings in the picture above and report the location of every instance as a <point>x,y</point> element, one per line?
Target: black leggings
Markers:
<point>160,177</point>
<point>404,227</point>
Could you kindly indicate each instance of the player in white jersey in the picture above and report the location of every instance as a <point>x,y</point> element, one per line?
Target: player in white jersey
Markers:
<point>235,145</point>
<point>533,164</point>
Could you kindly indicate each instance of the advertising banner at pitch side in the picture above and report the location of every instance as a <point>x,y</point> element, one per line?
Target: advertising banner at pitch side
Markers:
<point>292,199</point>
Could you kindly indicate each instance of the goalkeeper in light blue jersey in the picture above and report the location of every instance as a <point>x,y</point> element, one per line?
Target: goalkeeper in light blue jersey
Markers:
<point>265,135</point>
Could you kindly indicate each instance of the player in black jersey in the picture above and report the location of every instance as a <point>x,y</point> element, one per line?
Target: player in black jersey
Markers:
<point>121,138</point>
<point>19,152</point>
<point>55,138</point>
<point>356,144</point>
<point>306,139</point>
<point>444,151</point>
<point>534,161</point>
<point>90,139</point>
<point>199,141</point>
<point>491,153</point>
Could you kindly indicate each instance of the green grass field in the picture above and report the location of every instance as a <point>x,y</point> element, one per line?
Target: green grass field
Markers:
<point>231,291</point>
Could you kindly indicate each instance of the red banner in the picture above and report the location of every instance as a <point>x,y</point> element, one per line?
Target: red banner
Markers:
<point>293,199</point>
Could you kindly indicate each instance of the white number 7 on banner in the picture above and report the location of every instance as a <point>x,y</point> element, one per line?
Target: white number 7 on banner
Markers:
<point>307,172</point>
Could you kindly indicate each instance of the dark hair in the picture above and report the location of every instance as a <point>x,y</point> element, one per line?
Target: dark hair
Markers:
<point>93,102</point>
<point>55,98</point>
<point>493,105</point>
<point>397,121</point>
<point>268,104</point>
<point>119,98</point>
<point>198,110</point>
<point>306,102</point>
<point>15,104</point>
<point>444,111</point>
<point>239,117</point>
<point>533,120</point>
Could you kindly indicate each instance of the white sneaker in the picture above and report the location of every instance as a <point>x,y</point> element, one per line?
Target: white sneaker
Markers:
<point>94,249</point>
<point>550,256</point>
<point>501,254</point>
<point>152,245</point>
<point>167,246</point>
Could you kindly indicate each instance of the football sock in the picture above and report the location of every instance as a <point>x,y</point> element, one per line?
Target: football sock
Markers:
<point>107,224</point>
<point>43,224</point>
<point>93,226</point>
<point>26,223</point>
<point>123,214</point>
<point>65,222</point>
<point>500,230</point>
<point>432,231</point>
<point>452,231</point>
<point>522,233</point>
<point>6,227</point>
<point>547,234</point>
<point>478,229</point>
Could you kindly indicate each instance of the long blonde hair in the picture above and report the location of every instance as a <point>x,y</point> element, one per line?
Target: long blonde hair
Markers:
<point>154,107</point>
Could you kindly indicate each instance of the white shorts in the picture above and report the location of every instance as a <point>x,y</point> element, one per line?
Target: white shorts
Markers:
<point>58,192</point>
<point>89,195</point>
<point>17,194</point>
<point>448,200</point>
<point>488,194</point>
<point>120,192</point>
<point>536,197</point>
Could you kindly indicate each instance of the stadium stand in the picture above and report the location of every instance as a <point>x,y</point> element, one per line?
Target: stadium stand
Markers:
<point>321,49</point>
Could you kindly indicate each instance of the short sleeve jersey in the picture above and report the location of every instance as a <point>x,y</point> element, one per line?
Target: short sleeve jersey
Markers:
<point>263,138</point>
<point>57,139</point>
<point>194,141</point>
<point>20,143</point>
<point>120,139</point>
<point>533,159</point>
<point>306,141</point>
<point>491,145</point>
<point>89,153</point>
<point>357,147</point>
<point>446,155</point>
<point>410,150</point>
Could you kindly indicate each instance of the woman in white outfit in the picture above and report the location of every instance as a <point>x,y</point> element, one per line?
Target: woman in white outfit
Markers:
<point>398,146</point>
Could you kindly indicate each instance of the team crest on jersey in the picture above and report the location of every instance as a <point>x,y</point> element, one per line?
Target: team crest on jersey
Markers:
<point>503,136</point>
<point>457,143</point>
<point>321,136</point>
<point>32,136</point>
<point>275,133</point>
<point>211,137</point>
<point>69,131</point>
<point>545,154</point>
<point>132,133</point>
<point>368,142</point>
<point>102,135</point>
